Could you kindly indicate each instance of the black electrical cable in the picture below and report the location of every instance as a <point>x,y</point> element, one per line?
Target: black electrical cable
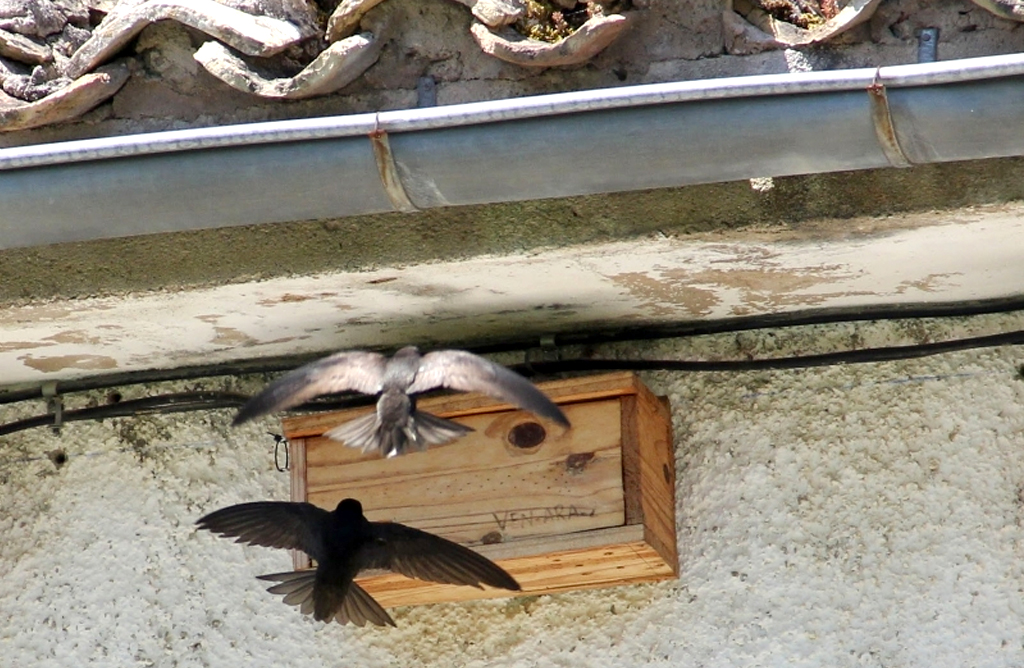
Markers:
<point>190,401</point>
<point>861,356</point>
<point>179,402</point>
<point>164,375</point>
<point>803,318</point>
<point>597,335</point>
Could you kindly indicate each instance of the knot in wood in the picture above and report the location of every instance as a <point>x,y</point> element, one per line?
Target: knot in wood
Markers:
<point>575,463</point>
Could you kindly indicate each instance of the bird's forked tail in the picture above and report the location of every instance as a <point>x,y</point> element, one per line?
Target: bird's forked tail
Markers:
<point>327,600</point>
<point>420,431</point>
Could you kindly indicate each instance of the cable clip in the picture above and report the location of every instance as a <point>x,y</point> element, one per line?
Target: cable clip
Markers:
<point>278,440</point>
<point>54,406</point>
<point>547,352</point>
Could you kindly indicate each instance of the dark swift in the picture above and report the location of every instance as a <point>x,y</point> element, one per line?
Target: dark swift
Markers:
<point>343,543</point>
<point>397,426</point>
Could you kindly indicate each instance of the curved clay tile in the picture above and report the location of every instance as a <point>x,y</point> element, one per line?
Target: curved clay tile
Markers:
<point>252,35</point>
<point>23,49</point>
<point>346,16</point>
<point>783,34</point>
<point>589,40</point>
<point>336,67</point>
<point>1007,9</point>
<point>68,103</point>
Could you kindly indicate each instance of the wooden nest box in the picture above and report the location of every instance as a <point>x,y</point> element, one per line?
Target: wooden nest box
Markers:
<point>593,506</point>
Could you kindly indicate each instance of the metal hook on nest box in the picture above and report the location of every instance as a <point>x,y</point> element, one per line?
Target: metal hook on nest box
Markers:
<point>54,406</point>
<point>278,440</point>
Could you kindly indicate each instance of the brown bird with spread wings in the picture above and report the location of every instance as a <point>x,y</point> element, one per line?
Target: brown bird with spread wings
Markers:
<point>343,543</point>
<point>397,426</point>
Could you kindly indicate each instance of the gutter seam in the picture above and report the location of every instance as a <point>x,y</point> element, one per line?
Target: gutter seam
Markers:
<point>390,178</point>
<point>885,131</point>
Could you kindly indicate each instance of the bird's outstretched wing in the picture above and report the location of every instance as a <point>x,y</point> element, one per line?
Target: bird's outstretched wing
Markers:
<point>352,370</point>
<point>466,372</point>
<point>282,524</point>
<point>418,554</point>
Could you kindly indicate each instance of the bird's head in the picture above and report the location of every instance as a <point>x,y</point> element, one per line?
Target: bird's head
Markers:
<point>349,508</point>
<point>408,351</point>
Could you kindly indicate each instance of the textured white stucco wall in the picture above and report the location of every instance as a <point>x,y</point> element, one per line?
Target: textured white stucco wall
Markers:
<point>857,516</point>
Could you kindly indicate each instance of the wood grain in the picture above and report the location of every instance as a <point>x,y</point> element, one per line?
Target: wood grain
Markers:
<point>608,557</point>
<point>481,488</point>
<point>657,475</point>
<point>591,506</point>
<point>297,473</point>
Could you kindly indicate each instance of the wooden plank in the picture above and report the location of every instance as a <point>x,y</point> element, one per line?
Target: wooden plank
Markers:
<point>657,475</point>
<point>534,547</point>
<point>297,475</point>
<point>567,391</point>
<point>482,489</point>
<point>632,506</point>
<point>611,559</point>
<point>297,468</point>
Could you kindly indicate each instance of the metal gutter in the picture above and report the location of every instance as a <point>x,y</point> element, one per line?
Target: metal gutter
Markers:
<point>596,141</point>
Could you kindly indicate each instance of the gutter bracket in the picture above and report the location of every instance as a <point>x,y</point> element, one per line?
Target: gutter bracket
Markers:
<point>928,45</point>
<point>389,176</point>
<point>426,92</point>
<point>881,118</point>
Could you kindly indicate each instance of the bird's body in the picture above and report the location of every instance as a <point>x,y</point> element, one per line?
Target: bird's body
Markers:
<point>397,426</point>
<point>343,543</point>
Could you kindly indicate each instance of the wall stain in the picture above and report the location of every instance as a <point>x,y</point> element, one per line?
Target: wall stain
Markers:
<point>930,283</point>
<point>10,346</point>
<point>759,289</point>
<point>74,336</point>
<point>229,336</point>
<point>667,297</point>
<point>290,297</point>
<point>768,288</point>
<point>34,314</point>
<point>61,362</point>
<point>425,290</point>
